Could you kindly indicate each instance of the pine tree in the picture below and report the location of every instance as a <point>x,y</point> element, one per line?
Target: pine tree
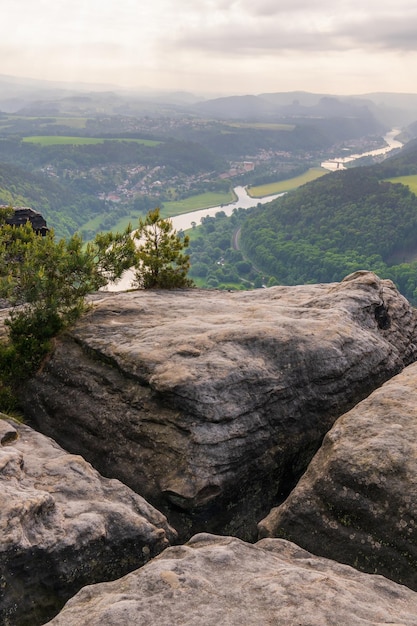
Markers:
<point>45,282</point>
<point>161,263</point>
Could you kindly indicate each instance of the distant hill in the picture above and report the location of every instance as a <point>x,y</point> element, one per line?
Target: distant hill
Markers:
<point>387,109</point>
<point>340,223</point>
<point>395,109</point>
<point>236,107</point>
<point>401,164</point>
<point>391,109</point>
<point>40,97</point>
<point>63,209</point>
<point>295,105</point>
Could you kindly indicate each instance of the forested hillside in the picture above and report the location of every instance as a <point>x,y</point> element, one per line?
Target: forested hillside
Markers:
<point>63,207</point>
<point>340,223</point>
<point>101,160</point>
<point>401,164</point>
<point>68,183</point>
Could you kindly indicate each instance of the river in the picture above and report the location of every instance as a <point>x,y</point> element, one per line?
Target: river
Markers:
<point>244,201</point>
<point>186,220</point>
<point>338,163</point>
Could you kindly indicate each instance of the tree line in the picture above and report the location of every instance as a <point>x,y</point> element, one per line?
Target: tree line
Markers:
<point>215,261</point>
<point>44,283</point>
<point>69,195</point>
<point>335,225</point>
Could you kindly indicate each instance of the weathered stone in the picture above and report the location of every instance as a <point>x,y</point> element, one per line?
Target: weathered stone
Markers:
<point>63,526</point>
<point>4,314</point>
<point>22,215</point>
<point>221,580</point>
<point>212,404</point>
<point>357,502</point>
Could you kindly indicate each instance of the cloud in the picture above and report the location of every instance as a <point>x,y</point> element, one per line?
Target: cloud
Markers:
<point>294,26</point>
<point>394,33</point>
<point>208,40</point>
<point>271,8</point>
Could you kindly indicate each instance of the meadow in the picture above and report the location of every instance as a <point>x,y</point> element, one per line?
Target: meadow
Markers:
<point>58,140</point>
<point>287,184</point>
<point>194,203</point>
<point>408,181</point>
<point>169,209</point>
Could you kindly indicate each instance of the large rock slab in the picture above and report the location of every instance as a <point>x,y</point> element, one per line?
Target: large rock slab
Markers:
<point>63,526</point>
<point>357,502</point>
<point>221,580</point>
<point>211,404</point>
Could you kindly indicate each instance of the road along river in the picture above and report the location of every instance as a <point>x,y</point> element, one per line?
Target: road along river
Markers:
<point>244,201</point>
<point>186,220</point>
<point>338,163</point>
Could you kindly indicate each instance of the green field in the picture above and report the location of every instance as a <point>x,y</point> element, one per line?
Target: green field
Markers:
<point>194,203</point>
<point>286,185</point>
<point>57,140</point>
<point>170,209</point>
<point>408,181</point>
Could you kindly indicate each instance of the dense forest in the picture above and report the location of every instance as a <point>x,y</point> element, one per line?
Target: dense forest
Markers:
<point>340,223</point>
<point>183,156</point>
<point>348,220</point>
<point>301,135</point>
<point>64,207</point>
<point>134,163</point>
<point>215,261</point>
<point>64,182</point>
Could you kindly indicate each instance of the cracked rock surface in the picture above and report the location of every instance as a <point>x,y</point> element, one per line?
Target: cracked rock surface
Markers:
<point>357,502</point>
<point>63,526</point>
<point>211,404</point>
<point>222,580</point>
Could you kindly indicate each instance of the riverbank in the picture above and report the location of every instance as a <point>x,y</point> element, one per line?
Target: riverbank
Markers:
<point>245,201</point>
<point>339,163</point>
<point>186,221</point>
<point>202,201</point>
<point>282,186</point>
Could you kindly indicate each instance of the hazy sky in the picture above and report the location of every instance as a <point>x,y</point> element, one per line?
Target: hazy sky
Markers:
<point>215,46</point>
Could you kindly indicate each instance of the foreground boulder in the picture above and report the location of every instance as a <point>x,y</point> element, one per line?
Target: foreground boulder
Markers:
<point>63,526</point>
<point>357,502</point>
<point>221,580</point>
<point>211,404</point>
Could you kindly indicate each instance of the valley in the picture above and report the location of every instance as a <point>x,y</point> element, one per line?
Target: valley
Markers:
<point>216,441</point>
<point>112,163</point>
<point>90,170</point>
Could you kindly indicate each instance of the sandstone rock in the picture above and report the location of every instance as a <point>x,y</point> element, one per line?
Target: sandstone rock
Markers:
<point>22,215</point>
<point>357,502</point>
<point>63,526</point>
<point>221,580</point>
<point>4,314</point>
<point>211,404</point>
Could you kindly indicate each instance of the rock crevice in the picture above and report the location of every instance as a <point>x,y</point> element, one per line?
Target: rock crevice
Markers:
<point>357,501</point>
<point>211,404</point>
<point>64,526</point>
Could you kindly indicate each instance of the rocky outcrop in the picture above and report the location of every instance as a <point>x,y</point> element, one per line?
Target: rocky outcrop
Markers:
<point>63,526</point>
<point>22,215</point>
<point>357,502</point>
<point>212,404</point>
<point>221,580</point>
<point>4,314</point>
